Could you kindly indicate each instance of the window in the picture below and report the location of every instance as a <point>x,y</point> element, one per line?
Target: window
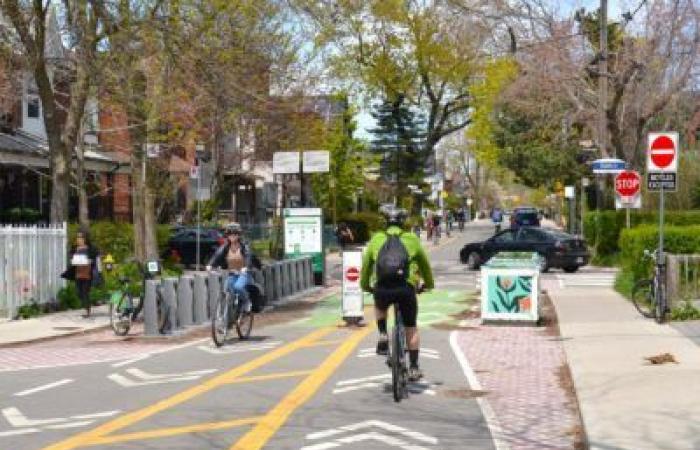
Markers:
<point>531,235</point>
<point>33,108</point>
<point>504,237</point>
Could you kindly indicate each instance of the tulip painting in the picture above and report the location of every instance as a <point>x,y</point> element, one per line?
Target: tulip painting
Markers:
<point>512,294</point>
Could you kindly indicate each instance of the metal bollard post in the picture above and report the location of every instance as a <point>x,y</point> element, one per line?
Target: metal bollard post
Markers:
<point>292,280</point>
<point>214,292</point>
<point>184,301</point>
<point>170,300</point>
<point>268,284</point>
<point>277,280</point>
<point>150,309</point>
<point>308,273</point>
<point>201,299</point>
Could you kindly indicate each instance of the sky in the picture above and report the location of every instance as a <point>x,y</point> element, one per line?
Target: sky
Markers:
<point>567,7</point>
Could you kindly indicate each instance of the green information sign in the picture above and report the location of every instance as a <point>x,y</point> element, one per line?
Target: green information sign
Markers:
<point>303,235</point>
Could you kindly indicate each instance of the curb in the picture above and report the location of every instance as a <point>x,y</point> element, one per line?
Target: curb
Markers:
<point>42,339</point>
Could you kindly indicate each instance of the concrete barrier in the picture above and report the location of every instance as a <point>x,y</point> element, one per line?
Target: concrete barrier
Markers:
<point>201,299</point>
<point>170,301</point>
<point>214,285</point>
<point>185,309</point>
<point>150,308</point>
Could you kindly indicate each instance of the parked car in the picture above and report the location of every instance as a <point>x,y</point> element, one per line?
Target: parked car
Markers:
<point>558,249</point>
<point>524,217</point>
<point>183,245</point>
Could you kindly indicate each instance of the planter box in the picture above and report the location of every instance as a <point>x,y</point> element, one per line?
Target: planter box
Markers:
<point>510,286</point>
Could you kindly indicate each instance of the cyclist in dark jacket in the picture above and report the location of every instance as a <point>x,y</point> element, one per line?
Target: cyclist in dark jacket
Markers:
<point>236,257</point>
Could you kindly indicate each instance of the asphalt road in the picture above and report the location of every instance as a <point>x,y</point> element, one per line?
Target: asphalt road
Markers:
<point>308,384</point>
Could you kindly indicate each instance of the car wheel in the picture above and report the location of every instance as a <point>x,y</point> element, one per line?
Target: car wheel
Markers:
<point>570,269</point>
<point>473,260</point>
<point>544,264</point>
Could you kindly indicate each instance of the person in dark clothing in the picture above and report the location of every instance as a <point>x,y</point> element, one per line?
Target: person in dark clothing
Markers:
<point>345,235</point>
<point>83,268</point>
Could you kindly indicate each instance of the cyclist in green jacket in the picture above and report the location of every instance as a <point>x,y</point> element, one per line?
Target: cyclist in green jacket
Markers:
<point>402,293</point>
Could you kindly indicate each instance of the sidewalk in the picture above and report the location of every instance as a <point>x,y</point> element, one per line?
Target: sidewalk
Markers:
<point>626,402</point>
<point>54,325</point>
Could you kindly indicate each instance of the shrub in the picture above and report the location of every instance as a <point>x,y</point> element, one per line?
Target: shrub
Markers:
<point>602,229</point>
<point>21,216</point>
<point>686,311</point>
<point>363,224</point>
<point>117,238</point>
<point>634,241</point>
<point>68,297</point>
<point>29,310</point>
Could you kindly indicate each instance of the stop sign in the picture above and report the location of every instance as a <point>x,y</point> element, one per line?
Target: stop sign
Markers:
<point>662,152</point>
<point>627,183</point>
<point>352,274</point>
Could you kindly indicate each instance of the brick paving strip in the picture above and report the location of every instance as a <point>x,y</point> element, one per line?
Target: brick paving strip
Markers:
<point>526,379</point>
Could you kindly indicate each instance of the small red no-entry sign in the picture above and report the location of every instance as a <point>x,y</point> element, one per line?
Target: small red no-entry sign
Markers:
<point>662,152</point>
<point>352,274</point>
<point>628,183</point>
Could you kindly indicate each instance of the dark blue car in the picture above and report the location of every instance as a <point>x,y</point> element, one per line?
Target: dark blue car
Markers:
<point>524,217</point>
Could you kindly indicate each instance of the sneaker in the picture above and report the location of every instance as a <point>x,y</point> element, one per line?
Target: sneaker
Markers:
<point>414,373</point>
<point>383,345</point>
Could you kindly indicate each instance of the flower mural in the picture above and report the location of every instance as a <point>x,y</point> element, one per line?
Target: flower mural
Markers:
<point>512,294</point>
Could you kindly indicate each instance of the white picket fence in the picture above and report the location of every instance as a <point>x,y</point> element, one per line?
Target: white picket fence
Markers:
<point>32,259</point>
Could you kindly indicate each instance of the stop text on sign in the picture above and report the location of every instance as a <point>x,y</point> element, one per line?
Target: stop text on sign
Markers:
<point>627,184</point>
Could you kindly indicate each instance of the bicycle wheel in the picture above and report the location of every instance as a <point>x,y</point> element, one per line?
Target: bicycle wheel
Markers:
<point>644,298</point>
<point>398,360</point>
<point>244,324</point>
<point>120,315</point>
<point>219,321</point>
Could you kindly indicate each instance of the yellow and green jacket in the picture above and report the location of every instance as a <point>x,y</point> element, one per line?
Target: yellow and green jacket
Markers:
<point>418,258</point>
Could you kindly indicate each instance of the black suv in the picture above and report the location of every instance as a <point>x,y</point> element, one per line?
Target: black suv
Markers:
<point>524,217</point>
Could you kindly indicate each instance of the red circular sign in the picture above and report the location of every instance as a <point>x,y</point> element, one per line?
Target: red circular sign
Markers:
<point>627,183</point>
<point>662,151</point>
<point>352,274</point>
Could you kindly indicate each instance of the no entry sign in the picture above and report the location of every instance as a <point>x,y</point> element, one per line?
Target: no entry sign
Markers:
<point>628,183</point>
<point>352,274</point>
<point>662,154</point>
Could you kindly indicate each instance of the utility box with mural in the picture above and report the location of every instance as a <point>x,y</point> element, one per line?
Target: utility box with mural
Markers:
<point>510,287</point>
<point>303,236</point>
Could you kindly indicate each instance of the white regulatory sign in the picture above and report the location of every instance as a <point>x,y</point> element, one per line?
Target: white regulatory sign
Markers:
<point>352,292</point>
<point>316,161</point>
<point>285,162</point>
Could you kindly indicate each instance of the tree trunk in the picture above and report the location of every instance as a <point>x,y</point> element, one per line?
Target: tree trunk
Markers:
<point>138,207</point>
<point>83,213</point>
<point>149,223</point>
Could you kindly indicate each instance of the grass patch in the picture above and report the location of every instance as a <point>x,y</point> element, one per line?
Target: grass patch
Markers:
<point>609,260</point>
<point>686,311</point>
<point>624,282</point>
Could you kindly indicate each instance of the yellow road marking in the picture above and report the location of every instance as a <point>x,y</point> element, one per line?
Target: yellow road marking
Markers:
<point>167,432</point>
<point>272,376</point>
<point>256,438</point>
<point>324,343</point>
<point>126,420</point>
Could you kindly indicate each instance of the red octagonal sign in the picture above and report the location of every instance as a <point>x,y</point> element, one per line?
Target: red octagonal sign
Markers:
<point>627,184</point>
<point>352,274</point>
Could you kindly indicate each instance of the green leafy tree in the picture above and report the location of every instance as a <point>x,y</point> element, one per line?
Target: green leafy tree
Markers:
<point>336,191</point>
<point>398,139</point>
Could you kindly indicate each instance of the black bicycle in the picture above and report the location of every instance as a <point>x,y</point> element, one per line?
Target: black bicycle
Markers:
<point>124,308</point>
<point>649,295</point>
<point>397,357</point>
<point>227,313</point>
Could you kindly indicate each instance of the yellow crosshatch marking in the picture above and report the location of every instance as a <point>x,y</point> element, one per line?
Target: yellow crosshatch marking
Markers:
<point>267,425</point>
<point>168,432</point>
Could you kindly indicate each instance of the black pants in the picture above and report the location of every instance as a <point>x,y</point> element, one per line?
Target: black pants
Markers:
<point>404,295</point>
<point>84,293</point>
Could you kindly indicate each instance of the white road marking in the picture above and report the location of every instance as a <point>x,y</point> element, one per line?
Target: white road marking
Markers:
<point>138,373</point>
<point>356,387</point>
<point>97,415</point>
<point>238,348</point>
<point>17,432</point>
<point>374,436</point>
<point>487,411</point>
<point>70,425</point>
<point>131,361</point>
<point>127,382</point>
<point>359,380</point>
<point>44,387</point>
<point>373,424</point>
<point>16,419</point>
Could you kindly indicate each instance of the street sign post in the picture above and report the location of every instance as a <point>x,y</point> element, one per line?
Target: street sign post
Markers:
<point>303,236</point>
<point>608,165</point>
<point>662,165</point>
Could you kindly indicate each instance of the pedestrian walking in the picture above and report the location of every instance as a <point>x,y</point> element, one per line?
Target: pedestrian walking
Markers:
<point>84,268</point>
<point>345,235</point>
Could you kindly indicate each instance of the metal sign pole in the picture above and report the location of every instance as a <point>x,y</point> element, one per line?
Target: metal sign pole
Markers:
<point>628,216</point>
<point>661,225</point>
<point>199,208</point>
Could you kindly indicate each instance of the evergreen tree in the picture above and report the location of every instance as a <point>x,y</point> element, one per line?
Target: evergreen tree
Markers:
<point>398,139</point>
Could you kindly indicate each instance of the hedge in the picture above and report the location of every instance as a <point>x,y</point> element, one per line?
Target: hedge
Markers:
<point>608,225</point>
<point>117,238</point>
<point>633,242</point>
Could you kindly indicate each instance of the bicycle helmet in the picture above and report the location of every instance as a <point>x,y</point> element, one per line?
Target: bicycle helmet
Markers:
<point>395,217</point>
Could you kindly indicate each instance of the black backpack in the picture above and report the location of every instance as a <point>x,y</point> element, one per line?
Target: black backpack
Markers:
<point>392,261</point>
